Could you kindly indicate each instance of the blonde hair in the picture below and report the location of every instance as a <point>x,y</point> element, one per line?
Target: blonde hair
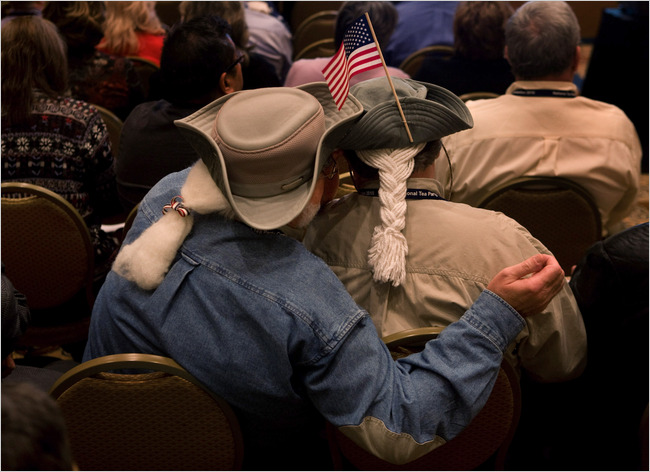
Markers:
<point>123,19</point>
<point>33,57</point>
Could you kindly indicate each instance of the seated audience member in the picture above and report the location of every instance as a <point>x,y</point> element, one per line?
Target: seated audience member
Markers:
<point>383,16</point>
<point>49,139</point>
<point>478,64</point>
<point>34,435</point>
<point>133,29</point>
<point>541,127</point>
<point>411,258</point>
<point>564,421</point>
<point>199,63</point>
<point>16,317</point>
<point>270,37</point>
<point>205,278</point>
<point>420,24</point>
<point>101,79</point>
<point>256,70</point>
<point>611,284</point>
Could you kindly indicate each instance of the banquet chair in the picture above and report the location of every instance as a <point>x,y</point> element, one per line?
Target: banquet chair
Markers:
<point>319,48</point>
<point>145,68</point>
<point>346,185</point>
<point>129,221</point>
<point>466,97</point>
<point>298,12</point>
<point>320,25</point>
<point>48,255</point>
<point>113,126</point>
<point>160,418</point>
<point>482,444</point>
<point>558,212</point>
<point>413,61</point>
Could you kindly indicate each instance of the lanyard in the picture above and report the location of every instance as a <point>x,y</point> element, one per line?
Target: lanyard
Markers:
<point>411,194</point>
<point>544,93</point>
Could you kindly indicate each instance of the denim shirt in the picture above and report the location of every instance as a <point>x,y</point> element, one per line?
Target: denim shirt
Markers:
<point>267,326</point>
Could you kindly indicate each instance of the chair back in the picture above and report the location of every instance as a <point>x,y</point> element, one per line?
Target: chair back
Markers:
<point>113,126</point>
<point>318,26</point>
<point>298,12</point>
<point>466,97</point>
<point>129,221</point>
<point>46,245</point>
<point>319,48</point>
<point>413,61</point>
<point>484,442</point>
<point>558,212</point>
<point>162,419</point>
<point>145,68</point>
<point>346,185</point>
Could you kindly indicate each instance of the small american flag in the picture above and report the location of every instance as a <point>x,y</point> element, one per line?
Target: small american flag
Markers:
<point>358,53</point>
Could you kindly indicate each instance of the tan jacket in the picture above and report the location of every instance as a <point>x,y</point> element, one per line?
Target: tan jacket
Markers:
<point>454,251</point>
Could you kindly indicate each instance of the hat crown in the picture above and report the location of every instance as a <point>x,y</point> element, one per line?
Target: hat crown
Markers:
<point>269,141</point>
<point>430,111</point>
<point>378,91</point>
<point>235,147</point>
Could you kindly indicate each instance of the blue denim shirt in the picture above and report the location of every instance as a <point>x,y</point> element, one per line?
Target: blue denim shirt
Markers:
<point>266,325</point>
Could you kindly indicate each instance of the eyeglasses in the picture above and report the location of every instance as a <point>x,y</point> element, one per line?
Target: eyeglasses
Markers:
<point>239,60</point>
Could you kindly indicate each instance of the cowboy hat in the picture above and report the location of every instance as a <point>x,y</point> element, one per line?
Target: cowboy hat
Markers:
<point>264,147</point>
<point>431,112</point>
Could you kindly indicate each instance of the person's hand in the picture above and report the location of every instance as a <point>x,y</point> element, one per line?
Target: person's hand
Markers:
<point>529,286</point>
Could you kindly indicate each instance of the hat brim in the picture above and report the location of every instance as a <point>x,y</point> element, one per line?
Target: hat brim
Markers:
<point>271,212</point>
<point>440,114</point>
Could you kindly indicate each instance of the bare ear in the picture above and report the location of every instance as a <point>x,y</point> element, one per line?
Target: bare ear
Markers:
<point>226,84</point>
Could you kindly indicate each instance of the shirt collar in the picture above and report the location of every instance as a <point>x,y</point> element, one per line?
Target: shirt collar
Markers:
<point>542,84</point>
<point>422,184</point>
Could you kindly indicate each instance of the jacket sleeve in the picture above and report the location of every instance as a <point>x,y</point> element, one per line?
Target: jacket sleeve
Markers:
<point>409,407</point>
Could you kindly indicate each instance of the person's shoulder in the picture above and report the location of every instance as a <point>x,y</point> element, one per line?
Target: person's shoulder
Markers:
<point>598,106</point>
<point>162,193</point>
<point>271,24</point>
<point>304,71</point>
<point>72,108</point>
<point>485,108</point>
<point>146,109</point>
<point>488,226</point>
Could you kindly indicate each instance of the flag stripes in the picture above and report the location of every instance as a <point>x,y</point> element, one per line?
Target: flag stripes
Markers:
<point>358,53</point>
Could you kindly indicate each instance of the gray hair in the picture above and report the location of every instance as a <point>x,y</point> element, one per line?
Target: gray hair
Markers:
<point>541,38</point>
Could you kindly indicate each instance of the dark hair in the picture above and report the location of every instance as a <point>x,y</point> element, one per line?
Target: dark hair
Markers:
<point>424,159</point>
<point>479,29</point>
<point>80,24</point>
<point>382,14</point>
<point>194,56</point>
<point>233,12</point>
<point>33,57</point>
<point>34,435</point>
<point>542,38</point>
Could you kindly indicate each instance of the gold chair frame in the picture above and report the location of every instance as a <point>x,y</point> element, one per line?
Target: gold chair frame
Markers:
<point>164,419</point>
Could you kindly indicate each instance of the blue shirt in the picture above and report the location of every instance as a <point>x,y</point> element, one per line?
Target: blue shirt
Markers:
<point>420,24</point>
<point>266,325</point>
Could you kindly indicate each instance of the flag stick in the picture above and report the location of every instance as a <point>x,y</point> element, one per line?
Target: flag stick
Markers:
<point>381,56</point>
